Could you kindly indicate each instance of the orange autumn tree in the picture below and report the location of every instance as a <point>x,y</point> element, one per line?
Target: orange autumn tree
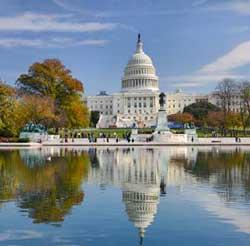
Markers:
<point>38,109</point>
<point>51,80</point>
<point>181,118</point>
<point>215,119</point>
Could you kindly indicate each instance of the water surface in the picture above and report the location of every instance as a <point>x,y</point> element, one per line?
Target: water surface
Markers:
<point>125,196</point>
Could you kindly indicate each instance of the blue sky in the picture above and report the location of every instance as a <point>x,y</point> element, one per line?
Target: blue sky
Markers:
<point>193,43</point>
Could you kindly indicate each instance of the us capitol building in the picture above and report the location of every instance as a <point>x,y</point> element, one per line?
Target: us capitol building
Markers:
<point>137,104</point>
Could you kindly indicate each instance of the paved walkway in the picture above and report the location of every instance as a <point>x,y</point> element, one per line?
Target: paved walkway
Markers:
<point>112,142</point>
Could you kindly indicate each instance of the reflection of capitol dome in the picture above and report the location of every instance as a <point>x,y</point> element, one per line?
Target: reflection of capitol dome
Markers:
<point>141,207</point>
<point>141,192</point>
<point>139,173</point>
<point>140,72</point>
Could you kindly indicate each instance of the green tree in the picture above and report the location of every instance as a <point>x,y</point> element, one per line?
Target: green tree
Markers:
<point>200,110</point>
<point>244,89</point>
<point>233,121</point>
<point>11,119</point>
<point>74,113</point>
<point>46,190</point>
<point>94,118</point>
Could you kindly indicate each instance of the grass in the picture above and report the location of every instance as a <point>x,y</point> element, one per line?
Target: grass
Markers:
<point>120,132</point>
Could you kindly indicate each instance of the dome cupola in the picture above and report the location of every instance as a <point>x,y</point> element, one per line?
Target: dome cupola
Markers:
<point>140,72</point>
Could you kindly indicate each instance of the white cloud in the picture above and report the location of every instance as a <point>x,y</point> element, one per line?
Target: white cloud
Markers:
<point>76,6</point>
<point>49,43</point>
<point>198,79</point>
<point>57,23</point>
<point>238,29</point>
<point>223,67</point>
<point>64,5</point>
<point>19,235</point>
<point>199,2</point>
<point>238,6</point>
<point>238,57</point>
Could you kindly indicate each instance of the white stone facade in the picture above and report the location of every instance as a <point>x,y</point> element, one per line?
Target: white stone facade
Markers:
<point>138,102</point>
<point>235,104</point>
<point>177,101</point>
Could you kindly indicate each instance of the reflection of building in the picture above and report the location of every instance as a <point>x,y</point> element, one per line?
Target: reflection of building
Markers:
<point>141,192</point>
<point>141,175</point>
<point>141,207</point>
<point>203,175</point>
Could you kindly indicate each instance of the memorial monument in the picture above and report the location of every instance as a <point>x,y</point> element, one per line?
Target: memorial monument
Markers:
<point>162,133</point>
<point>162,120</point>
<point>34,132</point>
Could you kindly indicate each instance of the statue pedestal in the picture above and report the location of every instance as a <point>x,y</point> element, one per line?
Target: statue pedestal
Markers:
<point>163,134</point>
<point>191,135</point>
<point>162,121</point>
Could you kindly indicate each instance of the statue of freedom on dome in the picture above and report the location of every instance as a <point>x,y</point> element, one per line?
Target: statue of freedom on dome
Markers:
<point>139,38</point>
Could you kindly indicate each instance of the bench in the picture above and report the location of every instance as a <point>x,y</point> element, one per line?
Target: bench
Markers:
<point>216,141</point>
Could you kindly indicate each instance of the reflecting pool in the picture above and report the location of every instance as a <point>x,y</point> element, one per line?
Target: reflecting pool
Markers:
<point>125,196</point>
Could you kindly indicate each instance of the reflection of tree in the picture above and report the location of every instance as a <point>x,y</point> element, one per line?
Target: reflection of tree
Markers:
<point>47,191</point>
<point>228,171</point>
<point>9,175</point>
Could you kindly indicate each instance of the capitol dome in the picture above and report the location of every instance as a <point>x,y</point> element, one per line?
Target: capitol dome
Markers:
<point>140,72</point>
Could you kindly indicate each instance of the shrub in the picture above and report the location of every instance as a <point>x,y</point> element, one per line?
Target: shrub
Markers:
<point>23,140</point>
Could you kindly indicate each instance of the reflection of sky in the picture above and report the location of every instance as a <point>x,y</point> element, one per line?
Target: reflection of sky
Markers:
<point>192,211</point>
<point>203,194</point>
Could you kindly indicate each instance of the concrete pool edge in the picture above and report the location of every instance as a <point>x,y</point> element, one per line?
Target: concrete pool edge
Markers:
<point>38,145</point>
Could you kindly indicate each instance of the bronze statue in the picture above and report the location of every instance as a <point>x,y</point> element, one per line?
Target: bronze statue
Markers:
<point>162,99</point>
